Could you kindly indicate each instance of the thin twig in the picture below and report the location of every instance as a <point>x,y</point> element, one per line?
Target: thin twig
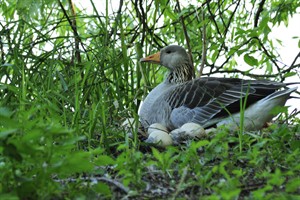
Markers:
<point>212,17</point>
<point>114,28</point>
<point>259,11</point>
<point>73,28</point>
<point>203,57</point>
<point>77,39</point>
<point>185,34</point>
<point>290,68</point>
<point>227,29</point>
<point>295,59</point>
<point>270,57</point>
<point>246,73</point>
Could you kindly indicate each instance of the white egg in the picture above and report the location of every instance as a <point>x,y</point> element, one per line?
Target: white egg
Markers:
<point>193,130</point>
<point>186,132</point>
<point>160,138</point>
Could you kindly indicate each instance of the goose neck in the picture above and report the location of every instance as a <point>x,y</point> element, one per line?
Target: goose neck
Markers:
<point>181,74</point>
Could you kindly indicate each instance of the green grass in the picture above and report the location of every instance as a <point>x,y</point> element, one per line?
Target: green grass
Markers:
<point>40,158</point>
<point>60,112</point>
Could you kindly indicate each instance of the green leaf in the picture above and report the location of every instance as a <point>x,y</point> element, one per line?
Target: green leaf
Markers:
<point>169,13</point>
<point>62,81</point>
<point>260,193</point>
<point>264,21</point>
<point>295,144</point>
<point>293,185</point>
<point>5,133</point>
<point>76,162</point>
<point>250,60</point>
<point>103,160</point>
<point>276,178</point>
<point>157,155</point>
<point>102,188</point>
<point>278,109</point>
<point>200,143</point>
<point>289,74</point>
<point>214,55</point>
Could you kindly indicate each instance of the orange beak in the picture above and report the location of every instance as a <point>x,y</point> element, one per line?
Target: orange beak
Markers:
<point>154,58</point>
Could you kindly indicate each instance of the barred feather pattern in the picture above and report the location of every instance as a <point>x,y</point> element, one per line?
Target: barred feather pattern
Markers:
<point>181,74</point>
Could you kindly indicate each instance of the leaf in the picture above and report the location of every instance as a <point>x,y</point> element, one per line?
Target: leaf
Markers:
<point>4,134</point>
<point>200,143</point>
<point>278,109</point>
<point>289,74</point>
<point>169,13</point>
<point>260,193</point>
<point>293,185</point>
<point>102,188</point>
<point>62,81</point>
<point>76,162</point>
<point>214,55</point>
<point>103,160</point>
<point>241,51</point>
<point>295,144</point>
<point>250,60</point>
<point>276,178</point>
<point>264,21</point>
<point>157,155</point>
<point>279,41</point>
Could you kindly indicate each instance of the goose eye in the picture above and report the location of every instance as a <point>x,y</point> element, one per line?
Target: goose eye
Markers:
<point>168,52</point>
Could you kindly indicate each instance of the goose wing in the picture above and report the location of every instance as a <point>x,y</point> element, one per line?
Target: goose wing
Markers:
<point>206,100</point>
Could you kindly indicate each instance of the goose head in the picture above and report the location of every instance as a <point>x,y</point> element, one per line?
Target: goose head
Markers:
<point>176,59</point>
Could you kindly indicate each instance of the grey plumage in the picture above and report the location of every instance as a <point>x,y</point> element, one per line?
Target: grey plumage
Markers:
<point>206,101</point>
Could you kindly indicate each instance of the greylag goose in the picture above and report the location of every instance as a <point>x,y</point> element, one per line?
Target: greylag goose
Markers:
<point>207,101</point>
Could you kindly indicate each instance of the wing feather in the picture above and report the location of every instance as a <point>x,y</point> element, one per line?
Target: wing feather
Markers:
<point>204,99</point>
